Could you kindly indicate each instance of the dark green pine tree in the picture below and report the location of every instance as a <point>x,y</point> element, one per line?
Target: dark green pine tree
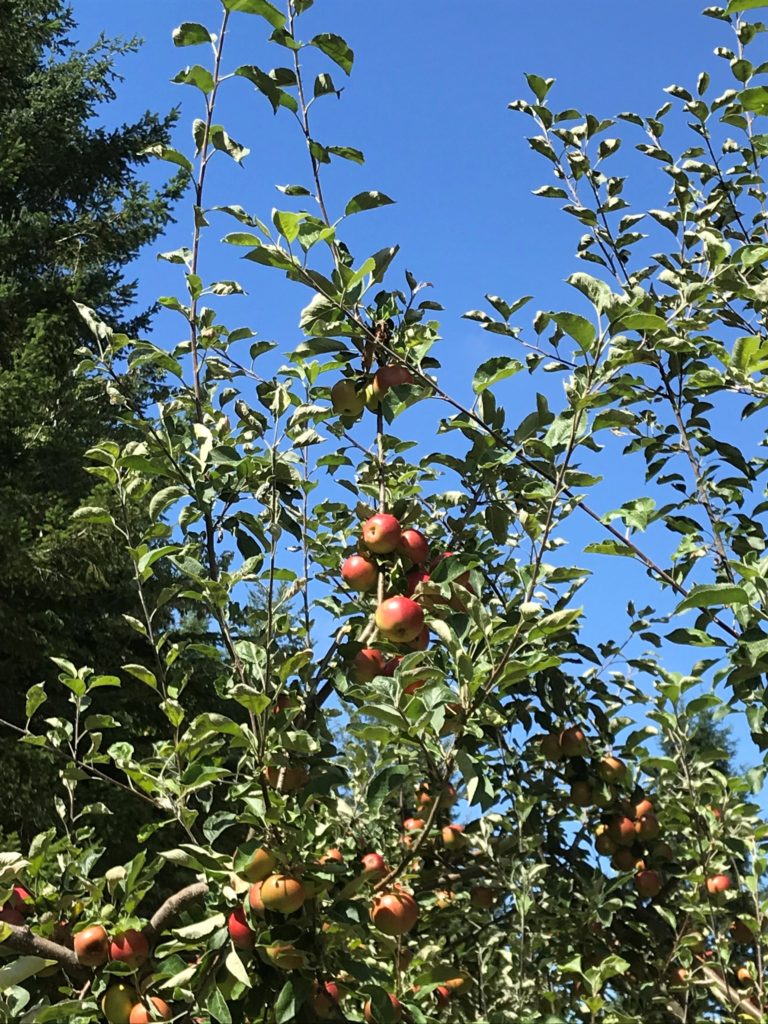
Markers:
<point>73,215</point>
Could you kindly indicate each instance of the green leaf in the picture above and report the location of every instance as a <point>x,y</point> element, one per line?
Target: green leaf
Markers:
<point>577,327</point>
<point>494,370</point>
<point>641,322</point>
<point>236,968</point>
<point>705,595</point>
<point>366,201</point>
<point>216,1005</point>
<point>35,697</point>
<point>735,6</point>
<point>225,144</point>
<point>609,547</point>
<point>25,967</point>
<point>384,783</point>
<point>196,75</point>
<point>755,99</point>
<point>348,153</point>
<point>172,156</point>
<point>191,33</point>
<point>142,673</point>
<point>336,48</point>
<point>261,7</point>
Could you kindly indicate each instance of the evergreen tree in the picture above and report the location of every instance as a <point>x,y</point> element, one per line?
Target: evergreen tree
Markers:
<point>73,215</point>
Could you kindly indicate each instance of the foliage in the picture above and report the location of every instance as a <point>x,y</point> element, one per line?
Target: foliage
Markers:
<point>257,477</point>
<point>73,215</point>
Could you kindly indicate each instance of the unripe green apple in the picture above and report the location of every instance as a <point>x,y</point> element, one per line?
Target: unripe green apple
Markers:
<point>346,399</point>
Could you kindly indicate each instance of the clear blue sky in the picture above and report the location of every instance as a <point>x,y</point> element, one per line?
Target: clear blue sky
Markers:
<point>427,103</point>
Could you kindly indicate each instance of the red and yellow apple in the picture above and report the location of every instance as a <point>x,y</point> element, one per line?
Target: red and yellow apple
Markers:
<point>399,619</point>
<point>359,573</point>
<point>381,533</point>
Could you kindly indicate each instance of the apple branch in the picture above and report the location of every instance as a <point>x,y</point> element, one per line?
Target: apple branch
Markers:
<point>22,940</point>
<point>173,906</point>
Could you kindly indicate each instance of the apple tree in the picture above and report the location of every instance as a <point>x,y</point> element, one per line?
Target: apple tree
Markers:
<point>429,788</point>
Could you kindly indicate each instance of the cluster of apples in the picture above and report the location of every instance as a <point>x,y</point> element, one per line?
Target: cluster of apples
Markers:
<point>350,395</point>
<point>94,948</point>
<point>393,912</point>
<point>629,830</point>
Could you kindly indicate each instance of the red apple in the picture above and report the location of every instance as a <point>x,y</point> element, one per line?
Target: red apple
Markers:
<point>141,1015</point>
<point>381,533</point>
<point>282,893</point>
<point>346,399</point>
<point>395,912</point>
<point>21,900</point>
<point>390,376</point>
<point>605,845</point>
<point>239,929</point>
<point>622,830</point>
<point>414,578</point>
<point>611,769</point>
<point>325,999</point>
<point>550,748</point>
<point>130,947</point>
<point>368,664</point>
<point>91,946</point>
<point>647,827</point>
<point>642,807</point>
<point>368,1013</point>
<point>413,545</point>
<point>453,837</point>
<point>462,982</point>
<point>413,824</point>
<point>359,573</point>
<point>573,742</point>
<point>334,855</point>
<point>374,865</point>
<point>648,884</point>
<point>743,977</point>
<point>624,860</point>
<point>10,916</point>
<point>443,996</point>
<point>399,619</point>
<point>718,884</point>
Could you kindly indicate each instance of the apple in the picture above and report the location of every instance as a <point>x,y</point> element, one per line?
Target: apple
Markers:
<point>642,807</point>
<point>91,946</point>
<point>622,830</point>
<point>581,793</point>
<point>239,929</point>
<point>334,855</point>
<point>604,844</point>
<point>386,377</point>
<point>414,578</point>
<point>368,663</point>
<point>741,933</point>
<point>10,916</point>
<point>413,545</point>
<point>293,778</point>
<point>399,619</point>
<point>662,852</point>
<point>282,893</point>
<point>421,643</point>
<point>481,897</point>
<point>260,866</point>
<point>453,837</point>
<point>573,742</point>
<point>677,977</point>
<point>647,827</point>
<point>254,899</point>
<point>21,900</point>
<point>448,796</point>
<point>359,573</point>
<point>370,1018</point>
<point>285,956</point>
<point>625,860</point>
<point>413,824</point>
<point>550,748</point>
<point>325,999</point>
<point>462,982</point>
<point>117,1003</point>
<point>130,947</point>
<point>373,865</point>
<point>381,533</point>
<point>718,884</point>
<point>611,769</point>
<point>346,399</point>
<point>443,996</point>
<point>648,884</point>
<point>394,912</point>
<point>141,1015</point>
<point>743,977</point>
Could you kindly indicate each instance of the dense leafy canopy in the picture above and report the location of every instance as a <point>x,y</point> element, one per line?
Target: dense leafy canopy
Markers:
<point>303,854</point>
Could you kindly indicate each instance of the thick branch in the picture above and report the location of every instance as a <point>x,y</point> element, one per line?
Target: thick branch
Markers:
<point>173,906</point>
<point>22,940</point>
